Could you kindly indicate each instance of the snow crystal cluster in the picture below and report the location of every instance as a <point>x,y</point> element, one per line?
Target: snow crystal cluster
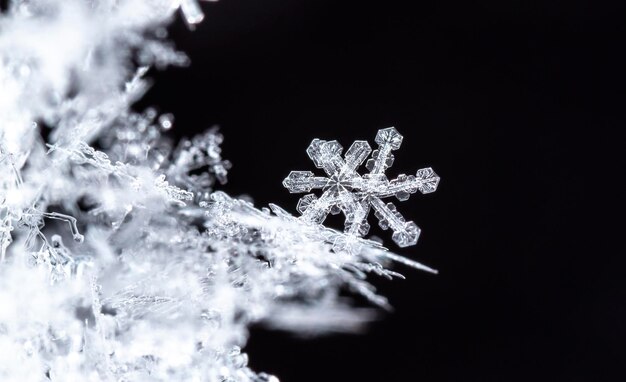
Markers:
<point>119,261</point>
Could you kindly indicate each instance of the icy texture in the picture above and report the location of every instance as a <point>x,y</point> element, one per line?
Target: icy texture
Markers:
<point>346,191</point>
<point>191,11</point>
<point>119,261</point>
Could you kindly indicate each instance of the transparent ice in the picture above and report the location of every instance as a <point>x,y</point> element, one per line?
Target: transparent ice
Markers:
<point>119,259</point>
<point>191,10</point>
<point>346,191</point>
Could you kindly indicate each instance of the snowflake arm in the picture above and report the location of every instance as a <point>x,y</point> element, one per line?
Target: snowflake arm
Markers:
<point>304,181</point>
<point>355,156</point>
<point>387,139</point>
<point>426,181</point>
<point>316,210</point>
<point>404,233</point>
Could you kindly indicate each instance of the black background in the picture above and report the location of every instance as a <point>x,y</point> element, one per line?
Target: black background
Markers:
<point>514,103</point>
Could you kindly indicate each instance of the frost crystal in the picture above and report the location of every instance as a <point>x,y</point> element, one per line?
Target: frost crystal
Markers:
<point>346,191</point>
<point>191,11</point>
<point>119,259</point>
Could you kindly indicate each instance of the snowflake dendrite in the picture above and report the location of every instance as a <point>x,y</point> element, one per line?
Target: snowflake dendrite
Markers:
<point>170,274</point>
<point>354,195</point>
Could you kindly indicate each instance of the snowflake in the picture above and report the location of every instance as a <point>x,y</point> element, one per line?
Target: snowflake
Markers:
<point>346,191</point>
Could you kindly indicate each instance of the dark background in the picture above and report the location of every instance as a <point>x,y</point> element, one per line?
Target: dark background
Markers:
<point>516,104</point>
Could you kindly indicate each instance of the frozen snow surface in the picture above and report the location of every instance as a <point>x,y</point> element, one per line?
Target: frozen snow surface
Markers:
<point>119,261</point>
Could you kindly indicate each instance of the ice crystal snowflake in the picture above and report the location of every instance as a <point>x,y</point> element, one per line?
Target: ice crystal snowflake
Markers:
<point>346,191</point>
